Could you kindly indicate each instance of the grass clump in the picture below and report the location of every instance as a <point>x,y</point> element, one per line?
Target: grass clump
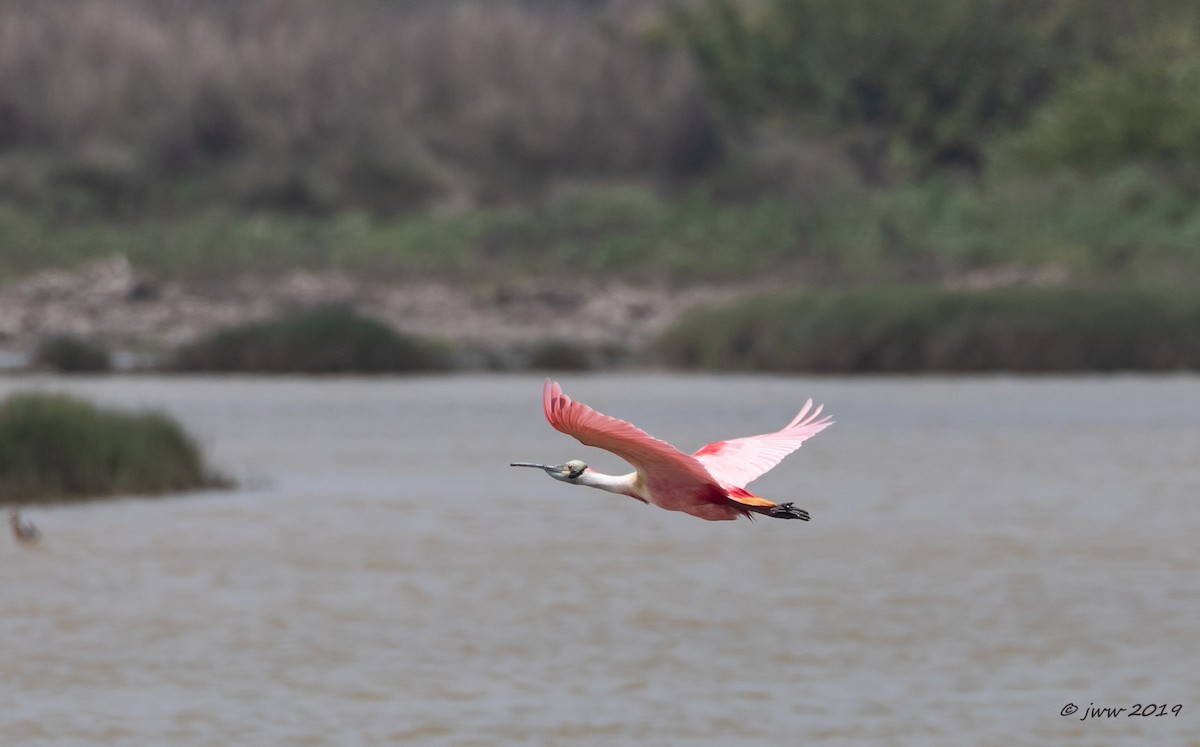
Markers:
<point>71,354</point>
<point>58,447</point>
<point>906,330</point>
<point>317,341</point>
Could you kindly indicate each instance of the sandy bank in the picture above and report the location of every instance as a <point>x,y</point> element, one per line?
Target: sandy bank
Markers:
<point>111,301</point>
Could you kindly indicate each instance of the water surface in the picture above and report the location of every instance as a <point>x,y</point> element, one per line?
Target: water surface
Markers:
<point>982,553</point>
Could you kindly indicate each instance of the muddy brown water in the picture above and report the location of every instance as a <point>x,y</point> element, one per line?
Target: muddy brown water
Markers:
<point>983,553</point>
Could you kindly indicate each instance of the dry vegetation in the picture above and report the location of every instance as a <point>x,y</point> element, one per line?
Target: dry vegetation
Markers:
<point>112,107</point>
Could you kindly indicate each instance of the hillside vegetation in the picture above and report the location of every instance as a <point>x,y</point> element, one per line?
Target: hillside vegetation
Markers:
<point>826,141</point>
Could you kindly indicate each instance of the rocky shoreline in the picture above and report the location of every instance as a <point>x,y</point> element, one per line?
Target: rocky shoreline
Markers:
<point>111,302</point>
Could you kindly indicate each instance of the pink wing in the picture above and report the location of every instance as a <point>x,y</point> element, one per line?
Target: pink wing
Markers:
<point>658,462</point>
<point>739,461</point>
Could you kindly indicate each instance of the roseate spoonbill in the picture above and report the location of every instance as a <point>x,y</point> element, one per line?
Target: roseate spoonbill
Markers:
<point>26,533</point>
<point>710,484</point>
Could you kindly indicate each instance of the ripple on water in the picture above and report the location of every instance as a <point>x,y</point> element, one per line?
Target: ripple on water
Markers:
<point>982,552</point>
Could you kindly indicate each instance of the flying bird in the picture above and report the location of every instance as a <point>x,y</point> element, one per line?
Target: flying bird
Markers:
<point>25,532</point>
<point>710,483</point>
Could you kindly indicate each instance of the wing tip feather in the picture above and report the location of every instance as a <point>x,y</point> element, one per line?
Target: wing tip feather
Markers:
<point>806,419</point>
<point>551,396</point>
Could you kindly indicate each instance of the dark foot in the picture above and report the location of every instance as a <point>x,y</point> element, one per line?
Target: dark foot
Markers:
<point>788,511</point>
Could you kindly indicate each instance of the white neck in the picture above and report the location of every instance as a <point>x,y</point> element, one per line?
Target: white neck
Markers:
<point>623,484</point>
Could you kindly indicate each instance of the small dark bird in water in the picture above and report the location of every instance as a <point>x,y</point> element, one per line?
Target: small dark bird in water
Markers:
<point>25,532</point>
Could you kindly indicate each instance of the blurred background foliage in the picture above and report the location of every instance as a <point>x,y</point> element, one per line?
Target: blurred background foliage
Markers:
<point>322,340</point>
<point>850,141</point>
<point>911,330</point>
<point>928,84</point>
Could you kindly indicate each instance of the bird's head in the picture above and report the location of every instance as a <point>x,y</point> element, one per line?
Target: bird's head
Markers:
<point>569,472</point>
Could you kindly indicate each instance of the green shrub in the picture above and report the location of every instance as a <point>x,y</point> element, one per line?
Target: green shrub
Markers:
<point>1142,104</point>
<point>317,341</point>
<point>71,354</point>
<point>921,82</point>
<point>918,329</point>
<point>57,447</point>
